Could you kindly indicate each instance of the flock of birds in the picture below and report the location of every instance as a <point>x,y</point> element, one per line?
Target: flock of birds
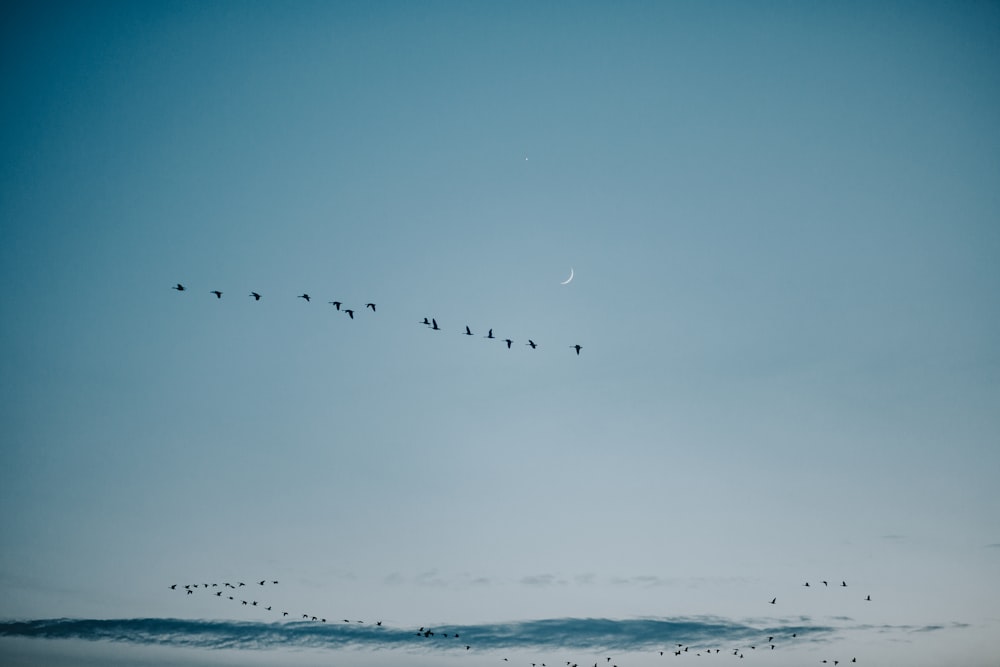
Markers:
<point>231,591</point>
<point>430,322</point>
<point>677,649</point>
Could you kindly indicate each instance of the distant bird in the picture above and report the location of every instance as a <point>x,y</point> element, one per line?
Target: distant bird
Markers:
<point>370,305</point>
<point>274,582</point>
<point>843,584</point>
<point>190,592</point>
<point>217,293</point>
<point>508,341</point>
<point>178,287</point>
<point>349,312</point>
<point>826,583</point>
<point>305,296</point>
<point>434,325</point>
<point>426,322</point>
<point>173,587</point>
<point>468,331</point>
<point>806,584</point>
<point>335,304</point>
<point>868,599</point>
<point>284,613</point>
<point>577,348</point>
<point>256,297</point>
<point>219,594</point>
<point>532,344</point>
<point>773,600</point>
<point>262,582</point>
<point>489,335</point>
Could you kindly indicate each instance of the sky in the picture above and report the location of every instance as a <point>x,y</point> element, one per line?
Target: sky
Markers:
<point>781,221</point>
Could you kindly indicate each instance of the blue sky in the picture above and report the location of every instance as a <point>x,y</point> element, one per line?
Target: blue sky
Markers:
<point>782,222</point>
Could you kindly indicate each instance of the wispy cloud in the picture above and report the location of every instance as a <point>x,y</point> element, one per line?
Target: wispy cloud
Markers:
<point>580,633</point>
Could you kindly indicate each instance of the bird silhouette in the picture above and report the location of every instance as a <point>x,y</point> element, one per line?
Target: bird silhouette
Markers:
<point>335,304</point>
<point>490,334</point>
<point>434,325</point>
<point>426,321</point>
<point>843,584</point>
<point>532,344</point>
<point>773,600</point>
<point>370,305</point>
<point>577,348</point>
<point>305,296</point>
<point>508,341</point>
<point>350,313</point>
<point>468,331</point>
<point>256,297</point>
<point>868,599</point>
<point>178,287</point>
<point>217,293</point>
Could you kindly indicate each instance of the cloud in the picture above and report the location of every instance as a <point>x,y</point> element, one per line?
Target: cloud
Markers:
<point>541,580</point>
<point>584,633</point>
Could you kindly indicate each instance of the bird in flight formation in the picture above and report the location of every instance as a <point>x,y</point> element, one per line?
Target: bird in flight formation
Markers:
<point>772,642</point>
<point>430,322</point>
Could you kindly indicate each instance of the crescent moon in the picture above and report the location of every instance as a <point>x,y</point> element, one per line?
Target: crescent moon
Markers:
<point>566,282</point>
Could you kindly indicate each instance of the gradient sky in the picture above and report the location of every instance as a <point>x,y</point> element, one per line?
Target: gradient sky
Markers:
<point>783,222</point>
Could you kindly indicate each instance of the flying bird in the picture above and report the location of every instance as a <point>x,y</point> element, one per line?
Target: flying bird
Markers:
<point>508,341</point>
<point>577,348</point>
<point>370,305</point>
<point>434,325</point>
<point>305,296</point>
<point>335,304</point>
<point>468,331</point>
<point>490,334</point>
<point>532,344</point>
<point>217,293</point>
<point>256,297</point>
<point>773,600</point>
<point>349,312</point>
<point>426,322</point>
<point>178,287</point>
